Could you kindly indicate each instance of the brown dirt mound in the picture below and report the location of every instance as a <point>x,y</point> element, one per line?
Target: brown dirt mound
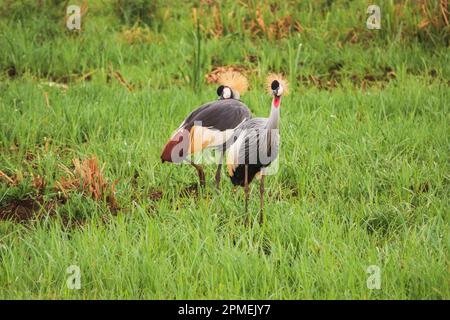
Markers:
<point>28,209</point>
<point>20,210</point>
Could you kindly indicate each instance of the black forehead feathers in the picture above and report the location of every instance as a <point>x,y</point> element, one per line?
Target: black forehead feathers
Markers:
<point>220,90</point>
<point>275,84</point>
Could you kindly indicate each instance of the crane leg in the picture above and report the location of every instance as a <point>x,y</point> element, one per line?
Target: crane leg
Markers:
<point>261,199</point>
<point>201,173</point>
<point>219,168</point>
<point>246,188</point>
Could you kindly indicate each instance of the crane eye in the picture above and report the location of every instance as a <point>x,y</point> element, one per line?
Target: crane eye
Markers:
<point>220,90</point>
<point>275,84</point>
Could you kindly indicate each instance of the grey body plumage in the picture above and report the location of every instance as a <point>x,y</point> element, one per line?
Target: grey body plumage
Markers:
<point>257,147</point>
<point>220,115</point>
<point>255,143</point>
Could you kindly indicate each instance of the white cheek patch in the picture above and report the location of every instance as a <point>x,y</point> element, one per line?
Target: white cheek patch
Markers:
<point>226,93</point>
<point>280,90</point>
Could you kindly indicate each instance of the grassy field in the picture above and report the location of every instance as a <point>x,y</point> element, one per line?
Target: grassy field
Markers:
<point>363,171</point>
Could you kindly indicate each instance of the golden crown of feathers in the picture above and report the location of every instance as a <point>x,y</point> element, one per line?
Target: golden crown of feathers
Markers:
<point>235,80</point>
<point>279,77</point>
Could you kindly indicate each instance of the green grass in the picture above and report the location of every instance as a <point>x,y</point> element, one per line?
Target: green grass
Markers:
<point>363,177</point>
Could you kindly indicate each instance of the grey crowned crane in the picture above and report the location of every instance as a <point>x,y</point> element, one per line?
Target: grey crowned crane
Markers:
<point>254,143</point>
<point>257,145</point>
<point>225,113</point>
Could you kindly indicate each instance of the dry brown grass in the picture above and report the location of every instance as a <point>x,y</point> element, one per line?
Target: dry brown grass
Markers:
<point>213,21</point>
<point>433,15</point>
<point>136,35</point>
<point>6,178</point>
<point>87,177</point>
<point>118,76</point>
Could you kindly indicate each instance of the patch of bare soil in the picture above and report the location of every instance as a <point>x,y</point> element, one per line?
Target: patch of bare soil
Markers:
<point>12,72</point>
<point>20,210</point>
<point>156,195</point>
<point>30,209</point>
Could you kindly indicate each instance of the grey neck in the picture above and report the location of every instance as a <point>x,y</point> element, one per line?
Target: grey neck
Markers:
<point>274,118</point>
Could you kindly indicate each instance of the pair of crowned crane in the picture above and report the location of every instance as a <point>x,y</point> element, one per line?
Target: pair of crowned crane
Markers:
<point>251,144</point>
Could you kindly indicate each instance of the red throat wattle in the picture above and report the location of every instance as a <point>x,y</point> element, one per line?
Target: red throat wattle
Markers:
<point>276,101</point>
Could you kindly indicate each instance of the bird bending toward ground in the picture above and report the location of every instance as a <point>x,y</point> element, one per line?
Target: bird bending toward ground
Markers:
<point>225,113</point>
